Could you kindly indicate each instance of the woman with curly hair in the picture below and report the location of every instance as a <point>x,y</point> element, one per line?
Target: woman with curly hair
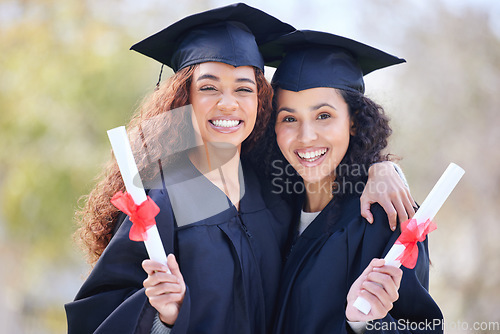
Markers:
<point>330,133</point>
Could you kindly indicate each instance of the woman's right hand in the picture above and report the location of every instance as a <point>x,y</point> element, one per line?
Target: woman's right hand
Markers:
<point>165,291</point>
<point>378,284</point>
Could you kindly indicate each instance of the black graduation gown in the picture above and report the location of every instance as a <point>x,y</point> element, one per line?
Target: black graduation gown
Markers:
<point>231,263</point>
<point>328,257</point>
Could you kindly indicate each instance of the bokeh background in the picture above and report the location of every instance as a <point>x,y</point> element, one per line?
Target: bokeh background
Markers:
<point>66,76</point>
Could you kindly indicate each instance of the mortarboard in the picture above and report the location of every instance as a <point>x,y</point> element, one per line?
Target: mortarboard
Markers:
<point>310,59</point>
<point>227,34</point>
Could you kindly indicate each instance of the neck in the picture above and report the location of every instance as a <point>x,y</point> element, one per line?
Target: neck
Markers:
<point>318,195</point>
<point>220,164</point>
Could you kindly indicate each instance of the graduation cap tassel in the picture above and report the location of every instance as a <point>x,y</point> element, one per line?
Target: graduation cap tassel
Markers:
<point>159,77</point>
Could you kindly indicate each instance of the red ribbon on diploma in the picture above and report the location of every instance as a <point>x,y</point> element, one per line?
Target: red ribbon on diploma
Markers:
<point>142,216</point>
<point>410,235</point>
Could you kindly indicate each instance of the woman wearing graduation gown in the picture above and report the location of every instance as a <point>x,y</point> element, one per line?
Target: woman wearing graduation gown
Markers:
<point>329,132</point>
<point>226,229</point>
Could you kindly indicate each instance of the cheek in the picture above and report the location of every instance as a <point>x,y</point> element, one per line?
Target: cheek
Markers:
<point>199,101</point>
<point>252,106</point>
<point>197,116</point>
<point>340,140</point>
<point>347,134</point>
<point>201,107</point>
<point>284,138</point>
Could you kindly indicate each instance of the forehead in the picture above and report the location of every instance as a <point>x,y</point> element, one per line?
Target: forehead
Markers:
<point>309,97</point>
<point>222,70</point>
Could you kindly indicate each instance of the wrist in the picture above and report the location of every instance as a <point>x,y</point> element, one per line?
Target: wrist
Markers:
<point>377,166</point>
<point>166,322</point>
<point>357,327</point>
<point>159,327</point>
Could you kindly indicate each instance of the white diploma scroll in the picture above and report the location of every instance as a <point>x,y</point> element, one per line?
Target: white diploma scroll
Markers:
<point>427,211</point>
<point>133,184</point>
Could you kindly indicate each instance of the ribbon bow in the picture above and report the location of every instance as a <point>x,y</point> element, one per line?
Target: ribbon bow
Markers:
<point>410,235</point>
<point>142,216</point>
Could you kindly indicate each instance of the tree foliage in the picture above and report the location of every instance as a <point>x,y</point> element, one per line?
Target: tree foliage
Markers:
<point>64,82</point>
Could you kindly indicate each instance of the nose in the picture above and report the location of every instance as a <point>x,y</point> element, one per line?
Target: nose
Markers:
<point>307,133</point>
<point>227,103</point>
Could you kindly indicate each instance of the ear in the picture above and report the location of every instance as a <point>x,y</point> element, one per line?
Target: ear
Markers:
<point>352,130</point>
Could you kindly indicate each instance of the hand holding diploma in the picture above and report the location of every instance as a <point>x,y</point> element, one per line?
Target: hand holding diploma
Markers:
<point>135,203</point>
<point>378,284</point>
<point>404,251</point>
<point>165,290</point>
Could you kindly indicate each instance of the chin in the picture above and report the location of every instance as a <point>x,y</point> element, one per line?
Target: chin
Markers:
<point>224,145</point>
<point>313,178</point>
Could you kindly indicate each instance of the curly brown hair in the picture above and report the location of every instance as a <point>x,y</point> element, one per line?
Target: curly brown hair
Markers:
<point>97,217</point>
<point>366,147</point>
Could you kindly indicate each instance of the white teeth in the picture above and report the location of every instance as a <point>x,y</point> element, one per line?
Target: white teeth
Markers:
<point>312,155</point>
<point>225,123</point>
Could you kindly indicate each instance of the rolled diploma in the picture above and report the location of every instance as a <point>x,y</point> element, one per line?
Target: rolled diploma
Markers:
<point>128,168</point>
<point>429,208</point>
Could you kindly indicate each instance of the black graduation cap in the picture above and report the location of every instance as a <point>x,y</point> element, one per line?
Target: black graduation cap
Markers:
<point>310,59</point>
<point>227,34</point>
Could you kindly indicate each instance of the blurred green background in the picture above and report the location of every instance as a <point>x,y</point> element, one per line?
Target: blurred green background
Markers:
<point>66,76</point>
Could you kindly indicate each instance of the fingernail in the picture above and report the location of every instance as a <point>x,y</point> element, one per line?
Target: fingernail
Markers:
<point>393,228</point>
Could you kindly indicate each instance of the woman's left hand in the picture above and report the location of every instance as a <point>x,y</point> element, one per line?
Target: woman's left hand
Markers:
<point>165,290</point>
<point>385,186</point>
<point>379,285</point>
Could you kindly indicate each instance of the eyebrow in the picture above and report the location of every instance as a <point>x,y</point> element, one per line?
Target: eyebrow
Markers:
<point>208,76</point>
<point>316,107</point>
<point>215,78</point>
<point>321,105</point>
<point>246,80</point>
<point>290,110</point>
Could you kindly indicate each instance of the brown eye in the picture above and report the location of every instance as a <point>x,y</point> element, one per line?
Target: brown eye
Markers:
<point>207,88</point>
<point>288,119</point>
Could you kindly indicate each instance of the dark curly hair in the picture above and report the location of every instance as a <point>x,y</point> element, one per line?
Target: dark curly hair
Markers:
<point>366,147</point>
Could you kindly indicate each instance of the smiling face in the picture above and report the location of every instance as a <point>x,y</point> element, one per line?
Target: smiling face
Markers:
<point>313,128</point>
<point>224,100</point>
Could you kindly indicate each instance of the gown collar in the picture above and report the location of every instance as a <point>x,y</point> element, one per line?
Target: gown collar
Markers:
<point>251,200</point>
